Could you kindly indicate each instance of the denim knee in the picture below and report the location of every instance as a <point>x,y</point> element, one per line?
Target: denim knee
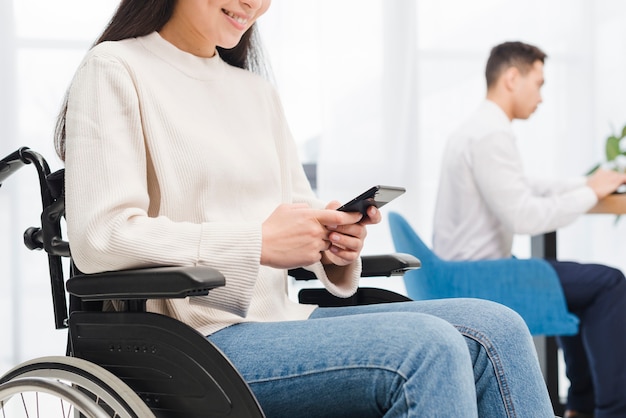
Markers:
<point>433,361</point>
<point>493,319</point>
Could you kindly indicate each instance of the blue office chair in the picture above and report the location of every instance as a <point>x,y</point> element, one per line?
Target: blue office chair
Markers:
<point>528,286</point>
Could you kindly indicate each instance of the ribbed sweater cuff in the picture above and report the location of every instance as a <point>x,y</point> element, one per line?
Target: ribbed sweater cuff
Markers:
<point>235,250</point>
<point>343,286</point>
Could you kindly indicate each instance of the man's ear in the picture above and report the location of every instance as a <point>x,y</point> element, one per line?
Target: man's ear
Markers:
<point>510,77</point>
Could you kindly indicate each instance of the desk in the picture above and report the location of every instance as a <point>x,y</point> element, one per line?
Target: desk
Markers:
<point>613,204</point>
<point>544,246</point>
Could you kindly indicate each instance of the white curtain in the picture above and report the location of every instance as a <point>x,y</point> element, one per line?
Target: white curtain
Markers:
<point>372,89</point>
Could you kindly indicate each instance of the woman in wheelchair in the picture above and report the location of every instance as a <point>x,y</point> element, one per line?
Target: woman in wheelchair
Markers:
<point>177,152</point>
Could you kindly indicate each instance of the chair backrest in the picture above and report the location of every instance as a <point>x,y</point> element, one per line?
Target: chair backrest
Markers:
<point>529,286</point>
<point>49,236</point>
<point>419,283</point>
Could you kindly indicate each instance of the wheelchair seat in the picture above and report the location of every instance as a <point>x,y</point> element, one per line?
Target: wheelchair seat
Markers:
<point>174,370</point>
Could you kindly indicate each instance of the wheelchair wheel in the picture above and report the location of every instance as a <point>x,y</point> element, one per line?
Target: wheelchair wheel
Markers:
<point>58,386</point>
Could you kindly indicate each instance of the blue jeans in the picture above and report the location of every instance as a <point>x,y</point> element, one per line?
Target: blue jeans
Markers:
<point>442,358</point>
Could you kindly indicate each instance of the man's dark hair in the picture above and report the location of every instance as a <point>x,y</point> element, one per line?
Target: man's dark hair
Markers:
<point>511,54</point>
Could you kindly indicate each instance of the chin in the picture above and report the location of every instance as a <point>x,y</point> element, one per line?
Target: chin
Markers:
<point>230,44</point>
<point>526,115</point>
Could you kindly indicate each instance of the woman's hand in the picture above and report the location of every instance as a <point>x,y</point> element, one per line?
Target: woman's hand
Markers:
<point>295,235</point>
<point>347,240</point>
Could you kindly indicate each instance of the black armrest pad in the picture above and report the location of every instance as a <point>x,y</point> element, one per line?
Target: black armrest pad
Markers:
<point>148,283</point>
<point>395,264</point>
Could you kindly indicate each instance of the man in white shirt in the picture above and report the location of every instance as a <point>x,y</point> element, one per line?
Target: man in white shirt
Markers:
<point>484,199</point>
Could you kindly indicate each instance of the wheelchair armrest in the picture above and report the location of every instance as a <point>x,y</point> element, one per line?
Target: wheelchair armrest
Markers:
<point>147,283</point>
<point>394,264</point>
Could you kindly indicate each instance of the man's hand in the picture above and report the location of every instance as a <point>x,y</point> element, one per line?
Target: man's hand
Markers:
<point>604,182</point>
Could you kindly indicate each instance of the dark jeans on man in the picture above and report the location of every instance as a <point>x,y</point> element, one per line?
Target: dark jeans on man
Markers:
<point>595,358</point>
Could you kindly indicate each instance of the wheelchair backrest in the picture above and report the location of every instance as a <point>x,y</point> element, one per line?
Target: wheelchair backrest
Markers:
<point>48,236</point>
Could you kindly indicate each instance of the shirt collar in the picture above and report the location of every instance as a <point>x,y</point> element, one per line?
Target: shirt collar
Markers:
<point>200,68</point>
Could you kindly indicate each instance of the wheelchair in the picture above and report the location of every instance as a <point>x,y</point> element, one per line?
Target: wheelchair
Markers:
<point>130,362</point>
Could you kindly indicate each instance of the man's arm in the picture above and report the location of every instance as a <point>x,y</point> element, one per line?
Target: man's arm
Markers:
<point>498,172</point>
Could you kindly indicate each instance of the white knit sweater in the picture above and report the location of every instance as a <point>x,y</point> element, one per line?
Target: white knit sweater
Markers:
<point>174,159</point>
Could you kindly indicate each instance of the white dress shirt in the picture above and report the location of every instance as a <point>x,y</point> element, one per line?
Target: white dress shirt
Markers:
<point>484,198</point>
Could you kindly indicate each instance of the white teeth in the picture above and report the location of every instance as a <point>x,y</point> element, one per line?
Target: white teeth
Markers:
<point>240,20</point>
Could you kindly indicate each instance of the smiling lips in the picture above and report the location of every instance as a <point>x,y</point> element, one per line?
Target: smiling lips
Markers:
<point>241,20</point>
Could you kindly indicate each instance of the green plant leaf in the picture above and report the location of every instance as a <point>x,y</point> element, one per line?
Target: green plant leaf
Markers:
<point>612,148</point>
<point>624,131</point>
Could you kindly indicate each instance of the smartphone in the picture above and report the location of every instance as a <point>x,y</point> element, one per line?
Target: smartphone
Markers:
<point>376,196</point>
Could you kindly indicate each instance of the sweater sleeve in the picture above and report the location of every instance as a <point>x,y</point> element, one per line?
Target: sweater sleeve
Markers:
<point>108,198</point>
<point>511,197</point>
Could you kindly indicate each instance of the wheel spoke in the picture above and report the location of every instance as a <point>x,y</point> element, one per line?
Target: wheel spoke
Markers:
<point>62,407</point>
<point>33,404</point>
<point>78,385</point>
<point>24,403</point>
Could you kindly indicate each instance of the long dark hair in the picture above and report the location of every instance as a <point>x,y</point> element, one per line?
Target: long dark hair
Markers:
<point>135,18</point>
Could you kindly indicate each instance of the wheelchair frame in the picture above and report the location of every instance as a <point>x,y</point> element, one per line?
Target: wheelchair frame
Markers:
<point>133,363</point>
